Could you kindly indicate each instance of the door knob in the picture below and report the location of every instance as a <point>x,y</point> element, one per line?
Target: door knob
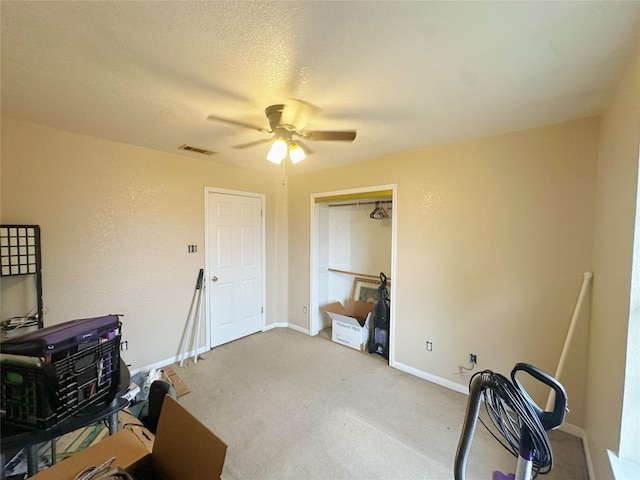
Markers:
<point>214,279</point>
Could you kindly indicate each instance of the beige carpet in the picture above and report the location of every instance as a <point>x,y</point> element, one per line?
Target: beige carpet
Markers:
<point>292,406</point>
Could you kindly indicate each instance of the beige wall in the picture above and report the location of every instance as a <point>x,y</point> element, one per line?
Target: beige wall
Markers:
<point>116,221</point>
<point>613,253</point>
<point>493,238</point>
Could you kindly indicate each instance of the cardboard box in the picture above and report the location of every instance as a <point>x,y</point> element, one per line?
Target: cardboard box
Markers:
<point>178,384</point>
<point>350,323</point>
<point>183,449</point>
<point>123,445</point>
<point>128,421</point>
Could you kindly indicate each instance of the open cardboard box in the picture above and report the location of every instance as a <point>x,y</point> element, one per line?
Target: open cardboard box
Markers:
<point>350,323</point>
<point>183,449</point>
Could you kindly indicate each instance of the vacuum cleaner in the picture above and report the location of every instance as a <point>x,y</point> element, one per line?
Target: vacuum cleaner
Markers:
<point>521,422</point>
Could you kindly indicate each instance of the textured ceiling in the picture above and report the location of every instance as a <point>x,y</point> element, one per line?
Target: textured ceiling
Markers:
<point>405,75</point>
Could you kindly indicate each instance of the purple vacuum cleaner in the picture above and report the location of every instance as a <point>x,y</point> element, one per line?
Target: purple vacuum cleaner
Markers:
<point>521,422</point>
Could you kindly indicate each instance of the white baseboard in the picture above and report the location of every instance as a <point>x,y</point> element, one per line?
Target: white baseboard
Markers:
<point>572,430</point>
<point>167,361</point>
<point>432,378</point>
<point>275,325</point>
<point>299,329</point>
<point>565,427</point>
<point>443,382</point>
<point>170,360</point>
<point>587,456</point>
<point>286,325</point>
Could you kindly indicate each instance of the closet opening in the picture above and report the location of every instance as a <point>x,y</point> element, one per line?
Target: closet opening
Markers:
<point>353,241</point>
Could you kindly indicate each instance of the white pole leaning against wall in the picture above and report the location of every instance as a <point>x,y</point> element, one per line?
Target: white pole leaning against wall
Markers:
<point>576,313</point>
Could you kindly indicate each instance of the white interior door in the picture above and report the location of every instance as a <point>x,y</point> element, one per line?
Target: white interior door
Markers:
<point>235,291</point>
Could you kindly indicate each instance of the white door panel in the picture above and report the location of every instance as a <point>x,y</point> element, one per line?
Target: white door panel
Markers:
<point>235,273</point>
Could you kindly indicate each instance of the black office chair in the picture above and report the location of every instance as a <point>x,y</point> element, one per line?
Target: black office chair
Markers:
<point>157,391</point>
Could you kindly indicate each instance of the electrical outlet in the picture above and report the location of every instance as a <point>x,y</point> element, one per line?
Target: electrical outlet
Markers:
<point>429,346</point>
<point>473,358</point>
<point>124,345</point>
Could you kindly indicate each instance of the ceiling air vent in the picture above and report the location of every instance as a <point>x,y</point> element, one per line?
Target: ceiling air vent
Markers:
<point>202,151</point>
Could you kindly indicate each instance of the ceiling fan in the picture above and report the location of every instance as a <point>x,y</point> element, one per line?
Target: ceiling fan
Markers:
<point>286,123</point>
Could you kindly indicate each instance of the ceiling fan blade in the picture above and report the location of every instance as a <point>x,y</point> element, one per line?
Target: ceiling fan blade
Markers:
<point>215,118</point>
<point>343,136</point>
<point>252,144</point>
<point>297,113</point>
<point>305,147</point>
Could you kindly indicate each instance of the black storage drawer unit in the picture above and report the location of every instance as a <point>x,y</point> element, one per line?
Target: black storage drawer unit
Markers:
<point>55,372</point>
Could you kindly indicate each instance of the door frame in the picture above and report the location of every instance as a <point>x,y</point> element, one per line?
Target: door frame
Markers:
<point>207,253</point>
<point>314,312</point>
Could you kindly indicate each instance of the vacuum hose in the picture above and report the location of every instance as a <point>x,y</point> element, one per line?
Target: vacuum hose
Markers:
<point>522,424</point>
<point>476,387</point>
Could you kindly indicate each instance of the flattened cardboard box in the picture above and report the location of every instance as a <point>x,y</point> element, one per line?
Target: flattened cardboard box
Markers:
<point>350,323</point>
<point>178,385</point>
<point>184,449</point>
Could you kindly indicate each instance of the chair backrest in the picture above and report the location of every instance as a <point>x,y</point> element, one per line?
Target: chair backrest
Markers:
<point>157,391</point>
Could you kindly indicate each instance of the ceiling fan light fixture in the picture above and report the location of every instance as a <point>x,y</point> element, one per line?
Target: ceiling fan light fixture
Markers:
<point>278,151</point>
<point>296,153</point>
<point>286,122</point>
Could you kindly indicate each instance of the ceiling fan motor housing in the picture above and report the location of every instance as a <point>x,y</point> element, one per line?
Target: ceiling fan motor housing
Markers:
<point>274,114</point>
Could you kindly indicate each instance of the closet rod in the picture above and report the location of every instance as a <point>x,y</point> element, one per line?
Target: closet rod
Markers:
<point>356,274</point>
<point>359,203</point>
